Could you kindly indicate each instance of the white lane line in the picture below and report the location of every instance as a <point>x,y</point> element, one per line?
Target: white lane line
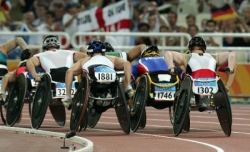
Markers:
<point>218,149</point>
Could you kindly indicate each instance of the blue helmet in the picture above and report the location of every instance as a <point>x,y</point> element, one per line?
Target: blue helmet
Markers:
<point>96,46</point>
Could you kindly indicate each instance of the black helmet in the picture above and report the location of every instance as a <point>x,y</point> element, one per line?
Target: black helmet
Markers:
<point>197,41</point>
<point>150,52</point>
<point>109,47</point>
<point>51,41</point>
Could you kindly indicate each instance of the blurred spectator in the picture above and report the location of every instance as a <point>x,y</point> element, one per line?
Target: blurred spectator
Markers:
<point>168,40</point>
<point>172,20</point>
<point>148,40</point>
<point>246,16</point>
<point>192,30</point>
<point>25,5</point>
<point>40,10</point>
<point>5,8</point>
<point>190,20</point>
<point>245,3</point>
<point>235,26</point>
<point>27,26</point>
<point>211,28</point>
<point>59,12</point>
<point>206,5</point>
<point>49,24</point>
<point>149,10</point>
<point>203,25</point>
<point>86,4</point>
<point>70,18</point>
<point>236,4</point>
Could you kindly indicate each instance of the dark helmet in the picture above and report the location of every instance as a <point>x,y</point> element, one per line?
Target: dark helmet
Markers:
<point>25,54</point>
<point>109,47</point>
<point>96,46</point>
<point>150,52</point>
<point>197,41</point>
<point>51,42</point>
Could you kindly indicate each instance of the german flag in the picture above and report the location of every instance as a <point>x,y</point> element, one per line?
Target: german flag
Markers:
<point>223,13</point>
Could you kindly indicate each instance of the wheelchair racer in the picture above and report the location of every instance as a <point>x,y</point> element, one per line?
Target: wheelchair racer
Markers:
<point>4,50</point>
<point>96,52</point>
<point>53,60</point>
<point>207,63</point>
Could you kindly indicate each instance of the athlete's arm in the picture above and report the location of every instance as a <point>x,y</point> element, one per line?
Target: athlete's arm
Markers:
<point>31,64</point>
<point>12,44</point>
<point>136,51</point>
<point>172,57</point>
<point>79,55</point>
<point>121,64</point>
<point>231,59</point>
<point>227,57</point>
<point>76,69</point>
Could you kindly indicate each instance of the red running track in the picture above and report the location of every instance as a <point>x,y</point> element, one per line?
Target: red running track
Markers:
<point>205,133</point>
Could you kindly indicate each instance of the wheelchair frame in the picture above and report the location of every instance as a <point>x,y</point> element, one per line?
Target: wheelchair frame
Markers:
<point>139,120</point>
<point>220,104</point>
<point>81,115</point>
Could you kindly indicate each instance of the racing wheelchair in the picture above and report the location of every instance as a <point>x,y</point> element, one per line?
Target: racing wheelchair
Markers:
<point>208,94</point>
<point>49,93</point>
<point>156,89</point>
<point>21,91</point>
<point>98,91</point>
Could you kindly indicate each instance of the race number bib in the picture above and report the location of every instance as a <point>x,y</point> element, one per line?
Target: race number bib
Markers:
<point>164,93</point>
<point>105,74</point>
<point>205,86</point>
<point>61,90</point>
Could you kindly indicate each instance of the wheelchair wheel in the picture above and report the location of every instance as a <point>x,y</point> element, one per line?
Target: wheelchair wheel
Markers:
<point>84,124</point>
<point>3,114</point>
<point>93,117</point>
<point>16,100</point>
<point>143,119</point>
<point>58,112</point>
<point>223,109</point>
<point>182,105</point>
<point>140,99</point>
<point>186,124</point>
<point>79,105</point>
<point>4,107</point>
<point>41,101</point>
<point>121,109</point>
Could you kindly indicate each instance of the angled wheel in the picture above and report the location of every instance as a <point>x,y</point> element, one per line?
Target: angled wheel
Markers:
<point>41,101</point>
<point>182,105</point>
<point>58,112</point>
<point>79,105</point>
<point>223,109</point>
<point>16,100</point>
<point>93,117</point>
<point>143,119</point>
<point>3,107</point>
<point>140,99</point>
<point>84,124</point>
<point>121,109</point>
<point>186,124</point>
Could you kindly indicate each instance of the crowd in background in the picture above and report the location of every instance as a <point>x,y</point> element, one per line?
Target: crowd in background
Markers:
<point>61,15</point>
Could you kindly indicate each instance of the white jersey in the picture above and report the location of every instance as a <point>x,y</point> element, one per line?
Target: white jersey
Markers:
<point>205,61</point>
<point>204,65</point>
<point>97,60</point>
<point>56,59</point>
